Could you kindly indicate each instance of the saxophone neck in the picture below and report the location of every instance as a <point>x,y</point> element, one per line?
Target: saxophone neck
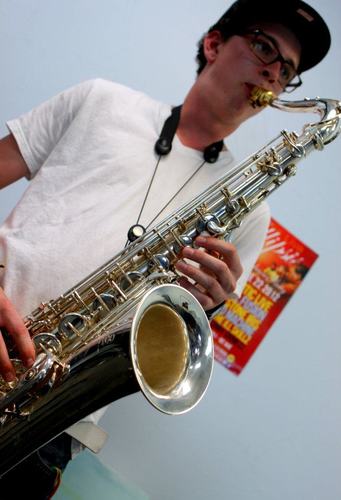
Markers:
<point>327,109</point>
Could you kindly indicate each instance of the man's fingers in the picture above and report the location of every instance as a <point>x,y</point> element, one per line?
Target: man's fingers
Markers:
<point>6,368</point>
<point>217,274</point>
<point>204,299</point>
<point>212,267</point>
<point>21,338</point>
<point>206,280</point>
<point>11,322</point>
<point>227,252</point>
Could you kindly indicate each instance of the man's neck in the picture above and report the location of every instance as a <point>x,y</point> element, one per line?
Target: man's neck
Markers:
<point>200,125</point>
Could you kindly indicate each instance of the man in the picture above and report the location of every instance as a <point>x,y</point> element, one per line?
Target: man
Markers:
<point>90,154</point>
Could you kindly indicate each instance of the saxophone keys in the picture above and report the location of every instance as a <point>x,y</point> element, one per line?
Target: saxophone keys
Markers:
<point>19,371</point>
<point>211,224</point>
<point>129,279</point>
<point>72,325</point>
<point>203,222</point>
<point>182,241</point>
<point>104,302</point>
<point>232,206</point>
<point>291,170</point>
<point>48,341</point>
<point>160,261</point>
<point>215,229</point>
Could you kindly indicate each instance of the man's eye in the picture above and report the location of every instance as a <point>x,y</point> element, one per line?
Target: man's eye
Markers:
<point>264,47</point>
<point>286,72</point>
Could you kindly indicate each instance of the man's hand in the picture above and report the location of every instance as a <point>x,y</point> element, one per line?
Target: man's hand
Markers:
<point>217,276</point>
<point>11,321</point>
<point>12,163</point>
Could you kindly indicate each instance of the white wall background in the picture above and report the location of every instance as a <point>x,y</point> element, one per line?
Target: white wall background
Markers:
<point>274,432</point>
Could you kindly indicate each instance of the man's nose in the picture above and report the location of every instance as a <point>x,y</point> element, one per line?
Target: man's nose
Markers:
<point>272,72</point>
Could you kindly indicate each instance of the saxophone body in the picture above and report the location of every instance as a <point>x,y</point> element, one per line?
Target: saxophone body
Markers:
<point>128,326</point>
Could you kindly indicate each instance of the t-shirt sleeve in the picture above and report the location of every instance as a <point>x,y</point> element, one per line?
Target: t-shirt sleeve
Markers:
<point>39,131</point>
<point>249,240</point>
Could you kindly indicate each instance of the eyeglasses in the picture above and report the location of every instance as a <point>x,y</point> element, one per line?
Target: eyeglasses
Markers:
<point>265,49</point>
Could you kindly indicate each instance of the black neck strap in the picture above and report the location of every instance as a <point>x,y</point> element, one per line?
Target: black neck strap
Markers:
<point>163,145</point>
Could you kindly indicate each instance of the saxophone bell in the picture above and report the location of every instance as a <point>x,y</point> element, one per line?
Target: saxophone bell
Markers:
<point>171,349</point>
<point>165,349</point>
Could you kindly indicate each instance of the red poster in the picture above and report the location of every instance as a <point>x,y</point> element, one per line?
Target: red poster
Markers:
<point>242,323</point>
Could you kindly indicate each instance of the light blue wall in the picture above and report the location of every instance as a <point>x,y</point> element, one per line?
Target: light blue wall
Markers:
<point>274,432</point>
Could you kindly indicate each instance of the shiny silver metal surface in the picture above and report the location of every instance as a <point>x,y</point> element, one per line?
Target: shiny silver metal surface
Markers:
<point>192,385</point>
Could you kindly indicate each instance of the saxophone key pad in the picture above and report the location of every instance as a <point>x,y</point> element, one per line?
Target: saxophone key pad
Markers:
<point>49,342</point>
<point>103,304</point>
<point>184,241</point>
<point>161,261</point>
<point>19,371</point>
<point>232,207</point>
<point>129,279</point>
<point>202,223</point>
<point>105,301</point>
<point>72,325</point>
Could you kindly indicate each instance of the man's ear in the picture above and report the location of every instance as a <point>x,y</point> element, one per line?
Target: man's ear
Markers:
<point>212,42</point>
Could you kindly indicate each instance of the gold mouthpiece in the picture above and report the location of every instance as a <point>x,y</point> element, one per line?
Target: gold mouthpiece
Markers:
<point>260,97</point>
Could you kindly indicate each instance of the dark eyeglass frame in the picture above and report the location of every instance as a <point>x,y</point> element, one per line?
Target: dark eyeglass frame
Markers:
<point>288,87</point>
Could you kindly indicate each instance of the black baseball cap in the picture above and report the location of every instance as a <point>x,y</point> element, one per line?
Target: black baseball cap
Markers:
<point>301,19</point>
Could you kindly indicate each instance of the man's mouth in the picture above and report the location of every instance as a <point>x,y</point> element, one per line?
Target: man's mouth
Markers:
<point>257,96</point>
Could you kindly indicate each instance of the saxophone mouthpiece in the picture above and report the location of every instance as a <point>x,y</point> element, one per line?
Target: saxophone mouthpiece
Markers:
<point>260,97</point>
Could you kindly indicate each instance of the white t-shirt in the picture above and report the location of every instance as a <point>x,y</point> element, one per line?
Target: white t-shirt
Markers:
<point>90,153</point>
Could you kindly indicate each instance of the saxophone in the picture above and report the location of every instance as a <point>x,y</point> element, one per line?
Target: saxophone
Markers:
<point>129,326</point>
